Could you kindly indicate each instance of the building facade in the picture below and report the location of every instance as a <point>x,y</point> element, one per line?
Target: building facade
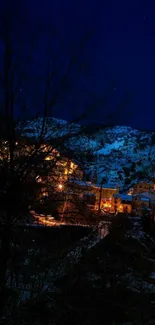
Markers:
<point>122,203</point>
<point>143,187</point>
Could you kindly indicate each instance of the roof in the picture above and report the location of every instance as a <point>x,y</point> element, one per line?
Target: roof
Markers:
<point>89,193</point>
<point>106,186</point>
<point>145,182</point>
<point>148,195</point>
<point>144,196</point>
<point>145,199</point>
<point>124,197</point>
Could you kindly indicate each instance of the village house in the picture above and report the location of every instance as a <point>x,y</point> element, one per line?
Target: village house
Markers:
<point>122,203</point>
<point>96,196</point>
<point>146,200</point>
<point>67,175</point>
<point>104,194</point>
<point>136,204</point>
<point>140,203</point>
<point>143,187</point>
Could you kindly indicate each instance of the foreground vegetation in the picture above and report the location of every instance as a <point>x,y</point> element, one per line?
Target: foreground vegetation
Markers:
<point>111,283</point>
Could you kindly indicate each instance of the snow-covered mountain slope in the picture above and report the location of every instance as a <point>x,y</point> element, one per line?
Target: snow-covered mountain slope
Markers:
<point>118,154</point>
<point>125,156</point>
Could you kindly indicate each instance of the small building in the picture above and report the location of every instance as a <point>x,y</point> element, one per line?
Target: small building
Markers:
<point>148,195</point>
<point>104,194</point>
<point>96,196</point>
<point>122,203</point>
<point>140,203</point>
<point>151,205</point>
<point>143,187</point>
<point>106,190</point>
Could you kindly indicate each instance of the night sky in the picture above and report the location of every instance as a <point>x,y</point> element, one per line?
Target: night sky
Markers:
<point>118,59</point>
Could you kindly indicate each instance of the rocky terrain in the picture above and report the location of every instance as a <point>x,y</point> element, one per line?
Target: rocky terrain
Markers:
<point>125,155</point>
<point>118,154</point>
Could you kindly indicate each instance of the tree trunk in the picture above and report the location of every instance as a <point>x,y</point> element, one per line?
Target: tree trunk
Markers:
<point>4,257</point>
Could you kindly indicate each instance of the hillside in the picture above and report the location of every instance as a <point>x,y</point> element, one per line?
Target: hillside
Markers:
<point>125,155</point>
<point>119,154</point>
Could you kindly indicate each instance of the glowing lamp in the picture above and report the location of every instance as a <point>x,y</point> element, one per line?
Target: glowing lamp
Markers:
<point>60,186</point>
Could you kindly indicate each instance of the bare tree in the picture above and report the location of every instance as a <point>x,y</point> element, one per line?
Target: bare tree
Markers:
<point>23,158</point>
<point>19,166</point>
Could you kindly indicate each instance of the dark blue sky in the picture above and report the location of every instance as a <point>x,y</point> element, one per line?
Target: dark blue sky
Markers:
<point>120,53</point>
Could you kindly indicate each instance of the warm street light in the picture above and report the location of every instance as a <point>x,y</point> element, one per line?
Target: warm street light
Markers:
<point>60,186</point>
